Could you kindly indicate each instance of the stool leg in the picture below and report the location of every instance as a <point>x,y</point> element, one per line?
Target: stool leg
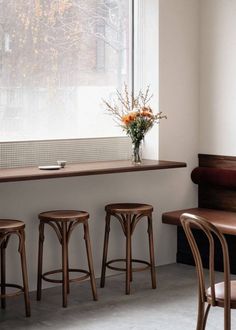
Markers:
<point>65,278</point>
<point>151,250</point>
<point>68,275</point>
<point>40,261</point>
<point>90,261</point>
<point>24,272</point>
<point>131,271</point>
<point>105,250</point>
<point>128,252</point>
<point>3,274</point>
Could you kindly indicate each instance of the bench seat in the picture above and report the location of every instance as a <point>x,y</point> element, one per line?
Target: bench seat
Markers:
<point>225,220</point>
<point>216,180</point>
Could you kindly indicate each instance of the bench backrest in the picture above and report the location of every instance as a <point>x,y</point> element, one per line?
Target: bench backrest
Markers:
<point>216,179</point>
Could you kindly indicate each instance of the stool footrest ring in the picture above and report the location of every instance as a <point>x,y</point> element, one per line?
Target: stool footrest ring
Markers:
<point>71,270</point>
<point>134,269</point>
<point>17,293</point>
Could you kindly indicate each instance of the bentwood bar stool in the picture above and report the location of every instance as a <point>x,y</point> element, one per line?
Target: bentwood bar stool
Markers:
<point>63,223</point>
<point>129,215</point>
<point>7,229</point>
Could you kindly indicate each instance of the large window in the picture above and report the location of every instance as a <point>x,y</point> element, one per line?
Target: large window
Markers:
<point>58,59</point>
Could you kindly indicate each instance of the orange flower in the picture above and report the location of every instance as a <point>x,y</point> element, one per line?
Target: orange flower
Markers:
<point>129,118</point>
<point>124,120</point>
<point>146,112</point>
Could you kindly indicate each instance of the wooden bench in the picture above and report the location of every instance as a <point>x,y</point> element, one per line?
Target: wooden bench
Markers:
<point>216,179</point>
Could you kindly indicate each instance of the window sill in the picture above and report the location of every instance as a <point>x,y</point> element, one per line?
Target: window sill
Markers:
<point>85,169</point>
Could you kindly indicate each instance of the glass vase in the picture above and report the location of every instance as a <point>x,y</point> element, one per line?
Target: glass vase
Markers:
<point>137,153</point>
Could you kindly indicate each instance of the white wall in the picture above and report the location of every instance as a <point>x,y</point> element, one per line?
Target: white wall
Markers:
<point>179,79</point>
<point>218,77</point>
<point>179,92</point>
<point>165,189</point>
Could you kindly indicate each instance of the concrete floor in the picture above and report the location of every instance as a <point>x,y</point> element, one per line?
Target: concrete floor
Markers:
<point>172,306</point>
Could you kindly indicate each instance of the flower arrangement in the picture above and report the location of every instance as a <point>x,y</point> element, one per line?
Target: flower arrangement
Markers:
<point>135,116</point>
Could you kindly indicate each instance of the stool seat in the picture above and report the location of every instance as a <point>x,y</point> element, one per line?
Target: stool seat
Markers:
<point>64,215</point>
<point>7,224</point>
<point>129,208</point>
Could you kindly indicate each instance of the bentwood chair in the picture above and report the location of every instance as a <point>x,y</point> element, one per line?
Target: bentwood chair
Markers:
<point>221,294</point>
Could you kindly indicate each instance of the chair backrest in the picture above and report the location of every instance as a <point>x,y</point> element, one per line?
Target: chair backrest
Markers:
<point>189,222</point>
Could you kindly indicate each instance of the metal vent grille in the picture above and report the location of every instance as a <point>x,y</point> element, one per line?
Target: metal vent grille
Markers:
<point>34,153</point>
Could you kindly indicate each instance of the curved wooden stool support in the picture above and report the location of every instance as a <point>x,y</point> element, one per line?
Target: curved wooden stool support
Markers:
<point>128,215</point>
<point>8,228</point>
<point>63,223</point>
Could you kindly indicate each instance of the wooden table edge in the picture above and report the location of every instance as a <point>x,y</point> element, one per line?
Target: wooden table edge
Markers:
<point>85,169</point>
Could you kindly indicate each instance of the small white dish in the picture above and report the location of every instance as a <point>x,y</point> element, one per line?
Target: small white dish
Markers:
<point>50,167</point>
<point>61,163</point>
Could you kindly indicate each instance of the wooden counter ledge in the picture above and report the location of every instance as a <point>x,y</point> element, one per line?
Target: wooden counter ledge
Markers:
<point>81,169</point>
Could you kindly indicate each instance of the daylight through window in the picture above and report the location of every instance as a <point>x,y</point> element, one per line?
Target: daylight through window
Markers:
<point>58,59</point>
